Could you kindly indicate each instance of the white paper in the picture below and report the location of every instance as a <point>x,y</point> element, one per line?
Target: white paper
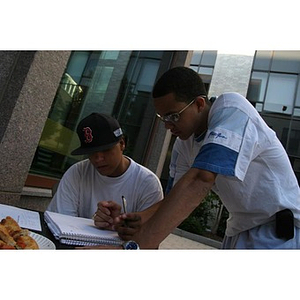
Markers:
<point>25,218</point>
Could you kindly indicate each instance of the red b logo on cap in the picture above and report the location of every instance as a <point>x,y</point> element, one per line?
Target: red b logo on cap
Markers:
<point>88,134</point>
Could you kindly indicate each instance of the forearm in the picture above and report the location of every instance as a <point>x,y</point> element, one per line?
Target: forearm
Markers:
<point>185,196</point>
<point>149,212</point>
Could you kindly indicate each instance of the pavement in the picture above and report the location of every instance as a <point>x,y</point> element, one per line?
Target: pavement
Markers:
<point>183,240</point>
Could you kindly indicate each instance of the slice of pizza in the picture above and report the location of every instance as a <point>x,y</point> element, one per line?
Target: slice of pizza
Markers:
<point>5,237</point>
<point>12,236</point>
<point>11,225</point>
<point>4,246</point>
<point>26,242</point>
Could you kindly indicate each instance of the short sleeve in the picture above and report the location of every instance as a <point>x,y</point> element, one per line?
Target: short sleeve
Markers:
<point>223,142</point>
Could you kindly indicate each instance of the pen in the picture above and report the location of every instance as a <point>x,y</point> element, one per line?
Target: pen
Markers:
<point>124,208</point>
<point>124,205</point>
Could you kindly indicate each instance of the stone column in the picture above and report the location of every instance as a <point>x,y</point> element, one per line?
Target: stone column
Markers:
<point>231,73</point>
<point>28,84</point>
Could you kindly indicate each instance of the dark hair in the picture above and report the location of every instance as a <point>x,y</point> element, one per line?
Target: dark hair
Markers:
<point>182,81</point>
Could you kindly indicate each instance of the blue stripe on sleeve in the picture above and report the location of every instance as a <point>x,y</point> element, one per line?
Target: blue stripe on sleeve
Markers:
<point>217,159</point>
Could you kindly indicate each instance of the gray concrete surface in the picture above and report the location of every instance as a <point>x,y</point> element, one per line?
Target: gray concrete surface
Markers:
<point>175,242</point>
<point>184,240</point>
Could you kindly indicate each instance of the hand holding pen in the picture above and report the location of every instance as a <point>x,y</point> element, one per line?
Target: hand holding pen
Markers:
<point>109,213</point>
<point>106,213</point>
<point>109,216</point>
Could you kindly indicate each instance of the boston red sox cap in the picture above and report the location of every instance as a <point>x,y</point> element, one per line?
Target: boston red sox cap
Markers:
<point>97,132</point>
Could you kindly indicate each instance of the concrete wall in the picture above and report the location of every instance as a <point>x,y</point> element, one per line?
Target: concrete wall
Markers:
<point>231,73</point>
<point>28,83</point>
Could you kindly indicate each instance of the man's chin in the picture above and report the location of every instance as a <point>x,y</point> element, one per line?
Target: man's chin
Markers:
<point>183,137</point>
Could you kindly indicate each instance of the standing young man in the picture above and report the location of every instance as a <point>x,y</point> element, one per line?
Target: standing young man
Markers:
<point>241,159</point>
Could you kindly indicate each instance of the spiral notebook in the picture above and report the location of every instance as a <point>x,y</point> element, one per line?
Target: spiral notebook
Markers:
<point>79,231</point>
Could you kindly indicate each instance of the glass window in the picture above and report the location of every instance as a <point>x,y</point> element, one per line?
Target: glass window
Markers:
<point>90,66</point>
<point>280,94</point>
<point>294,139</point>
<point>196,58</point>
<point>109,54</point>
<point>206,71</point>
<point>98,81</point>
<point>209,58</point>
<point>286,61</point>
<point>206,75</point>
<point>262,60</point>
<point>296,112</point>
<point>257,87</point>
<point>259,107</point>
<point>133,107</point>
<point>297,103</point>
<point>280,125</point>
<point>276,95</point>
<point>77,64</point>
<point>149,54</point>
<point>195,68</point>
<point>96,89</point>
<point>203,63</point>
<point>147,76</point>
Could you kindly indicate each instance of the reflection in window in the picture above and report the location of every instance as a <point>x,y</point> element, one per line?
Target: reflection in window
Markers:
<point>132,106</point>
<point>77,63</point>
<point>257,87</point>
<point>90,83</point>
<point>280,94</point>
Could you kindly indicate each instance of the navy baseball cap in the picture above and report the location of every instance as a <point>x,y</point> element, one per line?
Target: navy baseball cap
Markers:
<point>97,132</point>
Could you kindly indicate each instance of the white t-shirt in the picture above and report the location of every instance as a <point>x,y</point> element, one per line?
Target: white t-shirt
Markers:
<point>183,156</point>
<point>255,178</point>
<point>82,187</point>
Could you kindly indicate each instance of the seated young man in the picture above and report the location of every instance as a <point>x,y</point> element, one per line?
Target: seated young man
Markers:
<point>106,175</point>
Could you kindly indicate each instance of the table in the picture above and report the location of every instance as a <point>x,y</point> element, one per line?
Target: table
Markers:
<point>28,219</point>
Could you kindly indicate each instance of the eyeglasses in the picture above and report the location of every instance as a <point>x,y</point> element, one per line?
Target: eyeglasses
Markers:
<point>176,116</point>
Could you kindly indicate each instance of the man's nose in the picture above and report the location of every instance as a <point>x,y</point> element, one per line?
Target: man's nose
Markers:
<point>99,156</point>
<point>169,125</point>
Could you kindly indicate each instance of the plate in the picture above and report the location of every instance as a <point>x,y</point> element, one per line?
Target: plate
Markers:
<point>42,241</point>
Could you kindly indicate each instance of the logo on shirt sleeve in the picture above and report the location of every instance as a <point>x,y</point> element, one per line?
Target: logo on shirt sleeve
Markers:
<point>216,135</point>
<point>224,137</point>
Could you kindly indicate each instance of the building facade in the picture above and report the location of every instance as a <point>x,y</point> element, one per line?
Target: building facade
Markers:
<point>44,94</point>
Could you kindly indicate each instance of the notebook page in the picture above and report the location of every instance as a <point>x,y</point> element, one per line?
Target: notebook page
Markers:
<point>25,218</point>
<point>69,226</point>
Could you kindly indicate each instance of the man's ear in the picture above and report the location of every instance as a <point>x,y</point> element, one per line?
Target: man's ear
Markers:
<point>200,102</point>
<point>122,143</point>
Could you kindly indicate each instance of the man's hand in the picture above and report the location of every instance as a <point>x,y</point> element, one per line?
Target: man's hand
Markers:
<point>106,213</point>
<point>127,225</point>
